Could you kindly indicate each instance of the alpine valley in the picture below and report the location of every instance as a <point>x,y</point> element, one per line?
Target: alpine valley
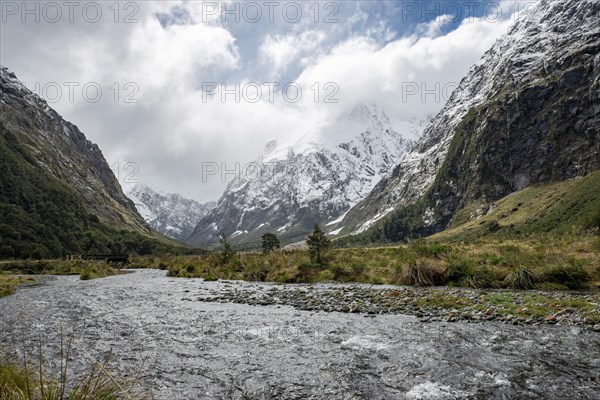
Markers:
<point>371,255</point>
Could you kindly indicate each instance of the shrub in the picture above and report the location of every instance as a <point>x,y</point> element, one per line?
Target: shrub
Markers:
<point>595,223</point>
<point>459,269</point>
<point>257,271</point>
<point>572,276</point>
<point>339,272</point>
<point>358,268</point>
<point>494,226</point>
<point>86,275</point>
<point>208,277</point>
<point>306,269</point>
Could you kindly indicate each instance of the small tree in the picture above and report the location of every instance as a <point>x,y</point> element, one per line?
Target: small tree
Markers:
<point>270,242</point>
<point>226,250</point>
<point>318,244</point>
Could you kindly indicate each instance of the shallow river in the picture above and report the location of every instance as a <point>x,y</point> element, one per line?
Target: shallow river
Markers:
<point>182,348</point>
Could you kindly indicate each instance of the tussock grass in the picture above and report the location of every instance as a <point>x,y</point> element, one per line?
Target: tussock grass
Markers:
<point>32,381</point>
<point>521,279</point>
<point>97,270</point>
<point>553,262</point>
<point>423,274</point>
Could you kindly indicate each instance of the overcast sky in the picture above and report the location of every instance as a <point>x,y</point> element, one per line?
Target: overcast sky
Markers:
<point>161,120</point>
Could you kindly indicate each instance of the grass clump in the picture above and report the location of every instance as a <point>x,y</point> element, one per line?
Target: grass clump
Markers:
<point>423,274</point>
<point>571,276</point>
<point>31,380</point>
<point>97,270</point>
<point>521,279</point>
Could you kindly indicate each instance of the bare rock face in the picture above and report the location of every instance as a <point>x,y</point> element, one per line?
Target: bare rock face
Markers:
<point>526,113</point>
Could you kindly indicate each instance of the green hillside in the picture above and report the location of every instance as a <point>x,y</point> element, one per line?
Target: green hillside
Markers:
<point>569,207</point>
<point>41,217</point>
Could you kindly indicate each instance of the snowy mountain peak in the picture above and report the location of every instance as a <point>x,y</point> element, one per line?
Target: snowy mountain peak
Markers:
<point>548,52</point>
<point>319,176</point>
<point>169,213</point>
<point>367,114</point>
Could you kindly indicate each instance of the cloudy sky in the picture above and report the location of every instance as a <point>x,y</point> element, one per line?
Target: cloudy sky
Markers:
<point>162,66</point>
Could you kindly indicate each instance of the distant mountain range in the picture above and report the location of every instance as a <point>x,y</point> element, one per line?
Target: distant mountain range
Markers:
<point>170,214</point>
<point>527,114</point>
<point>314,178</point>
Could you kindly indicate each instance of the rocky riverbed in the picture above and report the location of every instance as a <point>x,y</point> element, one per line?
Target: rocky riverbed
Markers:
<point>428,304</point>
<point>189,339</point>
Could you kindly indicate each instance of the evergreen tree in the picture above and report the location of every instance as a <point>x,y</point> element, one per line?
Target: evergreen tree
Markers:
<point>318,244</point>
<point>270,242</point>
<point>227,252</point>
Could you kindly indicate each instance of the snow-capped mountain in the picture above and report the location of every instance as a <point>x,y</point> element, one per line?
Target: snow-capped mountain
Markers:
<point>526,113</point>
<point>314,178</point>
<point>170,214</point>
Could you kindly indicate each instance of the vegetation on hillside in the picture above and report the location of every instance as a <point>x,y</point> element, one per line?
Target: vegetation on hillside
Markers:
<point>41,217</point>
<point>570,207</point>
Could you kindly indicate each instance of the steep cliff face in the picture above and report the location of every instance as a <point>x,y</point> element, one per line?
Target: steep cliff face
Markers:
<point>311,179</point>
<point>58,195</point>
<point>526,113</point>
<point>171,214</point>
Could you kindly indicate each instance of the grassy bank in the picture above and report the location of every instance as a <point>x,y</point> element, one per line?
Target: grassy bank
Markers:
<point>539,263</point>
<point>8,283</point>
<point>85,269</point>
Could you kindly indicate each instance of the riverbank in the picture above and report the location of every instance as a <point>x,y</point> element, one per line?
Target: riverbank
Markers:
<point>544,263</point>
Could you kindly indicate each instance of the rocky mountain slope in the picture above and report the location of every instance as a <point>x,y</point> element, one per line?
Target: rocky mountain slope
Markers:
<point>58,194</point>
<point>526,113</point>
<point>170,214</point>
<point>315,178</point>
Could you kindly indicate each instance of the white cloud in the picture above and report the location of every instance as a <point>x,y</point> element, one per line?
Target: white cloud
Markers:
<point>171,131</point>
<point>280,51</point>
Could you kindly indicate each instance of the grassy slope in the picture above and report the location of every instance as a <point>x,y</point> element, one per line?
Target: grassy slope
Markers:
<point>568,207</point>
